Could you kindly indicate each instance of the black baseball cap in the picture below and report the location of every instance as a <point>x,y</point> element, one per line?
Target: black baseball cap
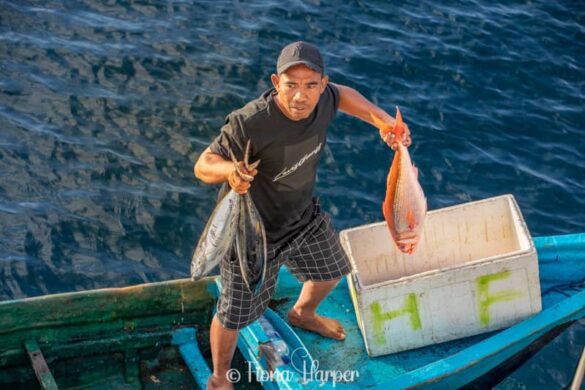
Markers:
<point>298,53</point>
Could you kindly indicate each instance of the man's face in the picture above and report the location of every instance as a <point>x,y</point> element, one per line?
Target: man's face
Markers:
<point>299,89</point>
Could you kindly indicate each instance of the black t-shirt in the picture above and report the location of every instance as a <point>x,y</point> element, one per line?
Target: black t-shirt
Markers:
<point>289,152</point>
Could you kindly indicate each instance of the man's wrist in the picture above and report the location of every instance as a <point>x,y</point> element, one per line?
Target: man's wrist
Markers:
<point>230,174</point>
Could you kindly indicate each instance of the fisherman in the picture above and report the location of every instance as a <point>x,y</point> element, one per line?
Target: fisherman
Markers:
<point>287,128</point>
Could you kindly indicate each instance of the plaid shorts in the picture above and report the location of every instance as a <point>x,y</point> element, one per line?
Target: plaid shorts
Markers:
<point>314,254</point>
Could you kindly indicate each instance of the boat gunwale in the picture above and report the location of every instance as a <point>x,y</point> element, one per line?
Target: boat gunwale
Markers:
<point>496,343</point>
<point>110,304</point>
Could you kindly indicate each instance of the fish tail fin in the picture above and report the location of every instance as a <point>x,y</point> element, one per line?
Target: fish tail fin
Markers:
<point>380,124</point>
<point>398,129</point>
<point>385,128</point>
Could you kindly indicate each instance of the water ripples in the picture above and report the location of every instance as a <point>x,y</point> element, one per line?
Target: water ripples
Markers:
<point>104,109</point>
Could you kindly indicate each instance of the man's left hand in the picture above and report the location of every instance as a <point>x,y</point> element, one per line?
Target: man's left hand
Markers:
<point>390,138</point>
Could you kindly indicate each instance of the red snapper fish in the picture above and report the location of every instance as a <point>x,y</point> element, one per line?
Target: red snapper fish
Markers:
<point>405,206</point>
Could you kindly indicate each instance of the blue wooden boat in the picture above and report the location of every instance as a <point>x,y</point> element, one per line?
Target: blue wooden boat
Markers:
<point>479,360</point>
<point>155,336</point>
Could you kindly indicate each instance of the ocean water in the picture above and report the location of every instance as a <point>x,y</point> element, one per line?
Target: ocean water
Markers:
<point>106,105</point>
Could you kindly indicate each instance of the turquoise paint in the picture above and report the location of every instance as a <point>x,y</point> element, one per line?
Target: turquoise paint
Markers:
<point>185,339</point>
<point>446,365</point>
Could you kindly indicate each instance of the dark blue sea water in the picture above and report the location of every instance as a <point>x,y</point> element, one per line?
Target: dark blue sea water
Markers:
<point>106,105</point>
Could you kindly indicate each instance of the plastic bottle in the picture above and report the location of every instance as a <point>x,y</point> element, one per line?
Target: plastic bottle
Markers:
<point>280,346</point>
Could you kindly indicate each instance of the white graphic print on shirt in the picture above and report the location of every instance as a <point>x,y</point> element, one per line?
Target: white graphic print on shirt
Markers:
<point>287,171</point>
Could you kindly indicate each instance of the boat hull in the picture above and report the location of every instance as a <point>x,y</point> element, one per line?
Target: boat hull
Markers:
<point>133,337</point>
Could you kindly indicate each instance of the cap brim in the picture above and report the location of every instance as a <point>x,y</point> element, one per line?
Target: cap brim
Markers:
<point>309,64</point>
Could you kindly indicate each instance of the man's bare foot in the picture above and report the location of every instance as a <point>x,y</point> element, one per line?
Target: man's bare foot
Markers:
<point>218,383</point>
<point>326,327</point>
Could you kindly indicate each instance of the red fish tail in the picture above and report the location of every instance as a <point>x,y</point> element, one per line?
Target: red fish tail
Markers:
<point>398,128</point>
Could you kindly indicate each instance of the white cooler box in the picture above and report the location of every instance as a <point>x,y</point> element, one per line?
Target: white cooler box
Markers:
<point>475,270</point>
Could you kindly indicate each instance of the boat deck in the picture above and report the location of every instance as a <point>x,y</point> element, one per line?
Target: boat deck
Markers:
<point>561,276</point>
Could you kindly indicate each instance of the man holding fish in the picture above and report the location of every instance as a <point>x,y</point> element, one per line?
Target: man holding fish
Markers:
<point>287,128</point>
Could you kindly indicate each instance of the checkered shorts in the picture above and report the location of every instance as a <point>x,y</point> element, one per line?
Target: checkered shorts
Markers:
<point>314,254</point>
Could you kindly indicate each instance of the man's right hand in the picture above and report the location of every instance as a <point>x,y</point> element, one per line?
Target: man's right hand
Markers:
<point>238,183</point>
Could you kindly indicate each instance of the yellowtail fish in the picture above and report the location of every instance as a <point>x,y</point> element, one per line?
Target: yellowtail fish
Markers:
<point>405,206</point>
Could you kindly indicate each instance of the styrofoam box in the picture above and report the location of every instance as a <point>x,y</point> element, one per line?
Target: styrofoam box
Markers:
<point>475,270</point>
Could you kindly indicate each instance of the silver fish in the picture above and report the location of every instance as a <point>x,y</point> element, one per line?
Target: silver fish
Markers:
<point>251,246</point>
<point>217,238</point>
<point>234,228</point>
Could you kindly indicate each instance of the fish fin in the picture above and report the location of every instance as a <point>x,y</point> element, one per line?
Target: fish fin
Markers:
<point>254,165</point>
<point>415,169</point>
<point>411,219</point>
<point>247,154</point>
<point>385,128</point>
<point>233,157</point>
<point>380,124</point>
<point>398,129</point>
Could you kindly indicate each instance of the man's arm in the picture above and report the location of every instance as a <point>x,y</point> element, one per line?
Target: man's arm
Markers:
<point>355,104</point>
<point>212,168</point>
